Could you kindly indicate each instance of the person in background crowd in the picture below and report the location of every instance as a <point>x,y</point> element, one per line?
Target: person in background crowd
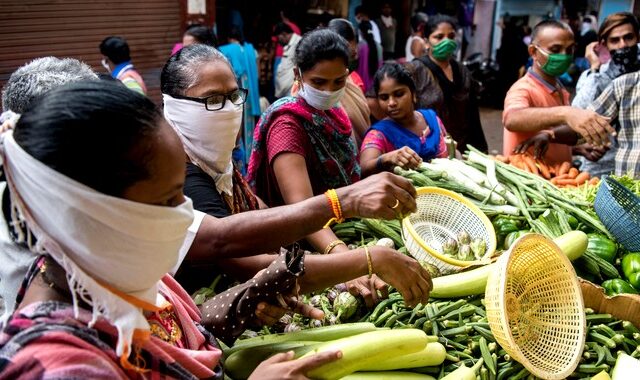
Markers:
<point>446,86</point>
<point>196,34</point>
<point>618,36</point>
<point>526,32</point>
<point>199,34</point>
<point>406,136</point>
<point>278,48</point>
<point>362,14</point>
<point>369,54</point>
<point>416,46</point>
<point>244,60</point>
<point>353,101</point>
<point>97,302</point>
<point>284,71</point>
<point>303,144</point>
<point>618,103</point>
<point>28,83</point>
<point>117,60</point>
<point>538,101</point>
<point>388,27</point>
<point>208,138</point>
<point>587,36</point>
<point>512,56</point>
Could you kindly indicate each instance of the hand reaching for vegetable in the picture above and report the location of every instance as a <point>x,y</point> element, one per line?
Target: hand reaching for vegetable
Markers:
<point>593,127</point>
<point>590,152</point>
<point>376,196</point>
<point>368,288</point>
<point>403,273</point>
<point>539,142</point>
<point>268,314</point>
<point>283,367</point>
<point>404,157</point>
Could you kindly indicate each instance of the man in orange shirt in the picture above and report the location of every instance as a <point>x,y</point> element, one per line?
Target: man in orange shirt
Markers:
<point>538,101</point>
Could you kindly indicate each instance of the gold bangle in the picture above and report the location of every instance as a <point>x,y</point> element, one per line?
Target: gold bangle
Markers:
<point>369,263</point>
<point>332,245</point>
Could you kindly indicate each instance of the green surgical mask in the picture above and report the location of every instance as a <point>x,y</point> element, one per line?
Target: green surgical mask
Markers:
<point>444,49</point>
<point>557,64</point>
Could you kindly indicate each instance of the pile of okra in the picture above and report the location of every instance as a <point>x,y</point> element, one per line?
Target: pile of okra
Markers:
<point>461,325</point>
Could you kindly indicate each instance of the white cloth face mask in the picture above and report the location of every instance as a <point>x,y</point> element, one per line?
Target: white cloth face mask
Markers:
<point>318,99</point>
<point>208,136</point>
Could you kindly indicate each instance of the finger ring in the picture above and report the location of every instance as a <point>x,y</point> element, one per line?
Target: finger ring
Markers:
<point>397,204</point>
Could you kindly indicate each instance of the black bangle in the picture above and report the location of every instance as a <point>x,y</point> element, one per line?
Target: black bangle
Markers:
<point>379,164</point>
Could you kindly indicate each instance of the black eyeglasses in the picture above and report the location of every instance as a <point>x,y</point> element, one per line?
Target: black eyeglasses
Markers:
<point>217,101</point>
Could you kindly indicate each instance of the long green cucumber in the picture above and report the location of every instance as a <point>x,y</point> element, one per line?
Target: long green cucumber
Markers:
<point>386,375</point>
<point>319,334</point>
<point>242,363</point>
<point>433,354</point>
<point>363,350</point>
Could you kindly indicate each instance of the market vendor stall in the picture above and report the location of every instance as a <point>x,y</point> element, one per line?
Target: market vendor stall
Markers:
<point>452,336</point>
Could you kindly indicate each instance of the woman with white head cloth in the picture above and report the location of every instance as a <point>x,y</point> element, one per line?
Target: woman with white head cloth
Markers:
<point>95,176</point>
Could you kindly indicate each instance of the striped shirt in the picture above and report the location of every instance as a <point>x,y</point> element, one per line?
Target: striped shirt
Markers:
<point>621,102</point>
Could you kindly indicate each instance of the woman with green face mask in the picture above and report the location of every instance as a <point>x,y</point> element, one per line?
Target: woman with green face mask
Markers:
<point>446,86</point>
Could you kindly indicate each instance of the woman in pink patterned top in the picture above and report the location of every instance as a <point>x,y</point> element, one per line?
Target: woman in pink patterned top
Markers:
<point>406,136</point>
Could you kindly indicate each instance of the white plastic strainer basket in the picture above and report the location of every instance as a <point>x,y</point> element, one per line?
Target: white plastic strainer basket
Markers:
<point>441,215</point>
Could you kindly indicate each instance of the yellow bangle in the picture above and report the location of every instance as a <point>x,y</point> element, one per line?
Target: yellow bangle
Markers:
<point>334,203</point>
<point>332,245</point>
<point>369,263</point>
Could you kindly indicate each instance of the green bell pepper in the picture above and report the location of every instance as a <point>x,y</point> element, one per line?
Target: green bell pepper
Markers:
<point>631,268</point>
<point>504,226</point>
<point>617,286</point>
<point>602,246</point>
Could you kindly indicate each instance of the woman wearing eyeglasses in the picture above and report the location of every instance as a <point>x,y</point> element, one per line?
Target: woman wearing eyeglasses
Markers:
<point>203,103</point>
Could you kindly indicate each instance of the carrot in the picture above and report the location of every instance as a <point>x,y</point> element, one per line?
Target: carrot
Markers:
<point>544,169</point>
<point>582,178</point>
<point>552,169</point>
<point>594,181</point>
<point>515,158</point>
<point>564,168</point>
<point>531,164</point>
<point>564,176</point>
<point>573,172</point>
<point>566,182</point>
<point>502,158</point>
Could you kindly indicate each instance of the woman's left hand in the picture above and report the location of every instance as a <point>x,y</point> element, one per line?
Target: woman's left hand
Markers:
<point>368,288</point>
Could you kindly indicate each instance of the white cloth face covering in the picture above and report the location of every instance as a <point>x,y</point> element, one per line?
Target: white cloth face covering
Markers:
<point>208,137</point>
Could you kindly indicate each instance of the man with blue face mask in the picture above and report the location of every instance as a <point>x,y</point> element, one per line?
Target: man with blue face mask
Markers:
<point>538,101</point>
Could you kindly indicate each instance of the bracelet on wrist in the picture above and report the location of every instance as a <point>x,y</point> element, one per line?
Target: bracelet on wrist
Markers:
<point>332,245</point>
<point>369,262</point>
<point>334,203</point>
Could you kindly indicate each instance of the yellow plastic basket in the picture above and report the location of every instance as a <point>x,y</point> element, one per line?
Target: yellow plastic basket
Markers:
<point>441,215</point>
<point>535,307</point>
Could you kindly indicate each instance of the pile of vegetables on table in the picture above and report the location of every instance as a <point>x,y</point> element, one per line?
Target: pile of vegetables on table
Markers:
<point>449,337</point>
<point>562,174</point>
